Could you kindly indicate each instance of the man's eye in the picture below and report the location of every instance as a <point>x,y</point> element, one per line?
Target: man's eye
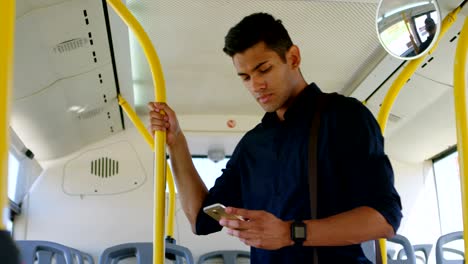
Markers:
<point>245,78</point>
<point>265,70</point>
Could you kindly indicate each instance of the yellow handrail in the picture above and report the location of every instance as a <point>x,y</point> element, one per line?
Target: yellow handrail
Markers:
<point>459,92</point>
<point>7,29</point>
<point>160,137</point>
<point>149,139</point>
<point>408,71</point>
<point>136,121</point>
<point>395,89</point>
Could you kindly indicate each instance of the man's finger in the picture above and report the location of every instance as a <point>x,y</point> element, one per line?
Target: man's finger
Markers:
<point>248,214</point>
<point>234,224</point>
<point>243,235</point>
<point>151,106</point>
<point>154,114</point>
<point>252,242</point>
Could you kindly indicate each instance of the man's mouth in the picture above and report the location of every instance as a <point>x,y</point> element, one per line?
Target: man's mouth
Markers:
<point>264,98</point>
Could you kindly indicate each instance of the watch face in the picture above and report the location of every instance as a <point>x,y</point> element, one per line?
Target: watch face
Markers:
<point>299,232</point>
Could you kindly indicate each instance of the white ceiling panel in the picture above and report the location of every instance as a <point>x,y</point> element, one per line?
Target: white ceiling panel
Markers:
<point>428,133</point>
<point>54,43</point>
<point>64,86</point>
<point>443,55</point>
<point>336,40</point>
<point>67,116</point>
<point>422,123</point>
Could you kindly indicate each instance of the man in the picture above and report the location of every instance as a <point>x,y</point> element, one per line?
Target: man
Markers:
<point>431,28</point>
<point>266,179</point>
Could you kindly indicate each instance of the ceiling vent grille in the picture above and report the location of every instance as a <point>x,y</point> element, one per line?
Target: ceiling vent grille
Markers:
<point>70,45</point>
<point>90,113</point>
<point>105,167</point>
<point>393,118</point>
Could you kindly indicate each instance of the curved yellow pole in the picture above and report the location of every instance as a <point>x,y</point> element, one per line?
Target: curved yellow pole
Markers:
<point>459,84</point>
<point>160,138</point>
<point>395,89</point>
<point>149,139</point>
<point>7,28</point>
<point>136,121</point>
<point>408,71</point>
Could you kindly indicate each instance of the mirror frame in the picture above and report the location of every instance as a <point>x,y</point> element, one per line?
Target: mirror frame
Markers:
<point>428,49</point>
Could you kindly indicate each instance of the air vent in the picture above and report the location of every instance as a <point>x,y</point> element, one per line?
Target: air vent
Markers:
<point>90,114</point>
<point>70,45</point>
<point>394,118</point>
<point>104,167</point>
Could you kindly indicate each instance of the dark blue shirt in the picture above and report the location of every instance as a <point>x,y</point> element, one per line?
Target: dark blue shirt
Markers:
<point>269,171</point>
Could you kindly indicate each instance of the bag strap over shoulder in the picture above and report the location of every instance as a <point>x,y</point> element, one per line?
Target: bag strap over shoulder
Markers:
<point>322,100</point>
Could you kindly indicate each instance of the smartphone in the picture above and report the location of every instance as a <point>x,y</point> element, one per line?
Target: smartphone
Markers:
<point>217,211</point>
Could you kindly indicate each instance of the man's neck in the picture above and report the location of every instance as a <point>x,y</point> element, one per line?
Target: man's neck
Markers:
<point>299,87</point>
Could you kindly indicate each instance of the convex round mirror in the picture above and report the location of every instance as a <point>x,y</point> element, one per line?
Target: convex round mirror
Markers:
<point>408,29</point>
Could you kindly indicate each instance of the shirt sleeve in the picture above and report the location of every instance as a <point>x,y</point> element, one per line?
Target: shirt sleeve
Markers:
<point>366,169</point>
<point>226,191</point>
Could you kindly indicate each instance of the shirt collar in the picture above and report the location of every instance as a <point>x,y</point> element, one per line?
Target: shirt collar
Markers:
<point>303,101</point>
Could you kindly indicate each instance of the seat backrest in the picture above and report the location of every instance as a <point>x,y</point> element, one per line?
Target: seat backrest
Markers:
<point>88,258</point>
<point>425,249</point>
<point>44,250</point>
<point>368,248</point>
<point>440,249</point>
<point>408,249</point>
<point>143,253</point>
<point>228,256</point>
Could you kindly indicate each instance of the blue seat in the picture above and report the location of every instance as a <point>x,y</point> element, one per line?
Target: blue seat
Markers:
<point>407,249</point>
<point>368,248</point>
<point>79,256</point>
<point>143,253</point>
<point>43,251</point>
<point>228,256</point>
<point>424,248</point>
<point>88,258</point>
<point>440,249</point>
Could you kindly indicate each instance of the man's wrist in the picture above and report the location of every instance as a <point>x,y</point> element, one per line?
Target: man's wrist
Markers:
<point>298,230</point>
<point>287,237</point>
<point>179,140</point>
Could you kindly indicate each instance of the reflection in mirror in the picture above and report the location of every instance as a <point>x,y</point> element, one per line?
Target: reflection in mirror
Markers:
<point>408,29</point>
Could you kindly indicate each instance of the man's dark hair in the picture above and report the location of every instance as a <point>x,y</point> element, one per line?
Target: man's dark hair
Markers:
<point>254,29</point>
<point>430,25</point>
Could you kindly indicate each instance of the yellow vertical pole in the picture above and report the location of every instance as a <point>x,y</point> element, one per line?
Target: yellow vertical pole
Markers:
<point>171,209</point>
<point>7,27</point>
<point>149,139</point>
<point>395,89</point>
<point>459,84</point>
<point>160,137</point>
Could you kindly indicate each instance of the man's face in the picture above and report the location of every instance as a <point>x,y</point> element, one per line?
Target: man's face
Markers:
<point>266,76</point>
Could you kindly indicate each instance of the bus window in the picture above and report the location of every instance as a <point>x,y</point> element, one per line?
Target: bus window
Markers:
<point>397,37</point>
<point>208,170</point>
<point>13,169</point>
<point>447,175</point>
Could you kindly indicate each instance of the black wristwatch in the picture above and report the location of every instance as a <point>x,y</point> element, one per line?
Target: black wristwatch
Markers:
<point>298,232</point>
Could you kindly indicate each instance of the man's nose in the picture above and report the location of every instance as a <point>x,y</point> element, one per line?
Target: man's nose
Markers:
<point>258,83</point>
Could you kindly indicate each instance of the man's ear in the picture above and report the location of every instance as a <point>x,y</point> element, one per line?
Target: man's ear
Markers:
<point>294,57</point>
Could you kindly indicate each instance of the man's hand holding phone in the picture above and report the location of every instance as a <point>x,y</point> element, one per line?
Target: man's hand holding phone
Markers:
<point>218,211</point>
<point>255,228</point>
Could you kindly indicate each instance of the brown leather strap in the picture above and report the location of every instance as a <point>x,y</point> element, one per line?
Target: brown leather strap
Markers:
<point>320,104</point>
